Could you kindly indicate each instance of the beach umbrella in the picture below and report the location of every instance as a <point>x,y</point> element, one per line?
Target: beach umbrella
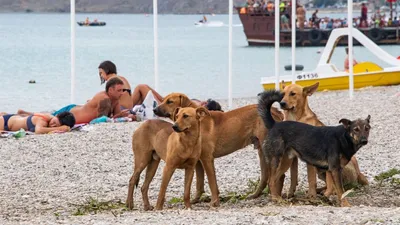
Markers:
<point>72,15</point>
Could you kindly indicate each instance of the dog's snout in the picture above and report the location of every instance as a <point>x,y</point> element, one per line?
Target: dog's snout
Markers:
<point>364,141</point>
<point>176,128</point>
<point>283,104</point>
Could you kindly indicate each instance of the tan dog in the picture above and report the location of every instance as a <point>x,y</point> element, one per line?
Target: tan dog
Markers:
<point>295,107</point>
<point>223,133</point>
<point>182,150</point>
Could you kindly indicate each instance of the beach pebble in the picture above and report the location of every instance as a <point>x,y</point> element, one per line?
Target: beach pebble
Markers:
<point>45,177</point>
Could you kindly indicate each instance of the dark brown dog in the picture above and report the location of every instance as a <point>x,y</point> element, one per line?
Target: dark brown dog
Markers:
<point>179,149</point>
<point>223,133</point>
<point>295,107</point>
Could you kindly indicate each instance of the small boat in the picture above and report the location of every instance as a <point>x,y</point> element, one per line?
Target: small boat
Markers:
<point>209,24</point>
<point>91,24</point>
<point>331,78</point>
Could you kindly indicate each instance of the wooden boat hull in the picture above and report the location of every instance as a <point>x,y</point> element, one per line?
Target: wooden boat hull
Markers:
<point>260,30</point>
<point>342,82</point>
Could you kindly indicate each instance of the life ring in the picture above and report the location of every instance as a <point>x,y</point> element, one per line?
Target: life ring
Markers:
<point>375,34</point>
<point>315,36</point>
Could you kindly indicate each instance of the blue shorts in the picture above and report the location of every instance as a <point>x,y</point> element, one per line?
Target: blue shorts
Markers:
<point>64,109</point>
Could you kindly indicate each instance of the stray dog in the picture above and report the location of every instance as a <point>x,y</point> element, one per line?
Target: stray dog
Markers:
<point>327,148</point>
<point>223,133</point>
<point>181,150</point>
<point>295,108</point>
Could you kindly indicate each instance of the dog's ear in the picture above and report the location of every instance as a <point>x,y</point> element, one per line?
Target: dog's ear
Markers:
<point>175,113</point>
<point>185,101</point>
<point>201,112</point>
<point>283,84</point>
<point>309,90</point>
<point>346,123</point>
<point>368,118</point>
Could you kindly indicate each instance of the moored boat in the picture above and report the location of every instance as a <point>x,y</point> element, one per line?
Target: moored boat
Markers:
<point>331,78</point>
<point>91,24</point>
<point>259,29</point>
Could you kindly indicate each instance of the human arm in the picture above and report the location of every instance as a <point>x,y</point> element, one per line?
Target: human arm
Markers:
<point>117,112</point>
<point>104,107</point>
<point>23,112</point>
<point>41,128</point>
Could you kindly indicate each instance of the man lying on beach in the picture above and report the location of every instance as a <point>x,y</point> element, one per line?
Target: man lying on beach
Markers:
<point>108,70</point>
<point>37,123</point>
<point>104,103</point>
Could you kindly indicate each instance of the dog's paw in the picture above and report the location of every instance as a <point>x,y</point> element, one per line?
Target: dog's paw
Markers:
<point>215,203</point>
<point>159,207</point>
<point>344,203</point>
<point>362,179</point>
<point>129,204</point>
<point>195,200</point>
<point>148,207</point>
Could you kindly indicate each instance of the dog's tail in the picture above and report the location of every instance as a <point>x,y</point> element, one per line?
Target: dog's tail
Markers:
<point>265,101</point>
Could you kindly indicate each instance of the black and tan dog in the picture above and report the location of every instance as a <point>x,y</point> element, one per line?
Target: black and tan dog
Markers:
<point>327,148</point>
<point>295,108</point>
<point>155,140</point>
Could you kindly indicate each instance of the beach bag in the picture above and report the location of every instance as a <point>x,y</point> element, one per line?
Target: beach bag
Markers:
<point>145,110</point>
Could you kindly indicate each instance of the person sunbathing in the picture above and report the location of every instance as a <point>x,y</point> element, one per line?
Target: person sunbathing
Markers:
<point>108,70</point>
<point>104,103</point>
<point>37,123</point>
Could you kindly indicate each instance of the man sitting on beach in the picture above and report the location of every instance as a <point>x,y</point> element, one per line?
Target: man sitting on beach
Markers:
<point>37,123</point>
<point>104,103</point>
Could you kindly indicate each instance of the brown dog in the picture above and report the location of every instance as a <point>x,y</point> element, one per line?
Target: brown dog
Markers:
<point>223,133</point>
<point>182,150</point>
<point>295,107</point>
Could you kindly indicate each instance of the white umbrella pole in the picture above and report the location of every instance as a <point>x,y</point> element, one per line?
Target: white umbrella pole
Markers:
<point>350,45</point>
<point>293,41</point>
<point>277,13</point>
<point>230,55</point>
<point>155,30</point>
<point>72,51</point>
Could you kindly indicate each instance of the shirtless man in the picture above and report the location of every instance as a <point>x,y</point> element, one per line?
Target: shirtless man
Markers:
<point>104,103</point>
<point>301,15</point>
<point>129,99</point>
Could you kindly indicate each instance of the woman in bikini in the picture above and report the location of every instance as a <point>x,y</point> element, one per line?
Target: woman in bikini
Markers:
<point>37,123</point>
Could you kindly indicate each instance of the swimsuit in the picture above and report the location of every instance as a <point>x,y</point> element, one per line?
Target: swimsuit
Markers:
<point>6,118</point>
<point>29,124</point>
<point>64,109</point>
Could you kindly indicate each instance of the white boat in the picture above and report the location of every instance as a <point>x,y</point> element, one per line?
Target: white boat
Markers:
<point>209,24</point>
<point>331,78</point>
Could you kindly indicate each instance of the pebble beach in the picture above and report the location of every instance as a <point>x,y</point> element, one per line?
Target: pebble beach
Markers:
<point>46,178</point>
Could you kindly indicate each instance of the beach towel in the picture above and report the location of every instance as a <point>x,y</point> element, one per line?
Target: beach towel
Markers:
<point>145,110</point>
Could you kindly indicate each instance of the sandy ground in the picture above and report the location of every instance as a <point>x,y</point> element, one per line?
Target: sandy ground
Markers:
<point>49,178</point>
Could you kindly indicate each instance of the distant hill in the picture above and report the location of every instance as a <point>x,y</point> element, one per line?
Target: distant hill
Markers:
<point>120,6</point>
